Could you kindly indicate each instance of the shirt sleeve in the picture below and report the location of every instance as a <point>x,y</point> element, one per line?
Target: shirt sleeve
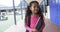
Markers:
<point>26,26</point>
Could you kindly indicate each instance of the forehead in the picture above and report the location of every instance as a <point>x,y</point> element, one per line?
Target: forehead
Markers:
<point>34,4</point>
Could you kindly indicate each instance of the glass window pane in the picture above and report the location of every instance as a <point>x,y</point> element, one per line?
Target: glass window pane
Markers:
<point>6,15</point>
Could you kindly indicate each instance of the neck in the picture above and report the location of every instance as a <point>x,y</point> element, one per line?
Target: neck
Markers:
<point>34,14</point>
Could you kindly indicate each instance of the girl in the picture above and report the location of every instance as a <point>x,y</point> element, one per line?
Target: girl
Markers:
<point>34,21</point>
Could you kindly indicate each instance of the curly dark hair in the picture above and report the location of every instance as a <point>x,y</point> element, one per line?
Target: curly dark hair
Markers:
<point>28,12</point>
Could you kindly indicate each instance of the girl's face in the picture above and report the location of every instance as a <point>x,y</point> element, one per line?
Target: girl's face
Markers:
<point>34,8</point>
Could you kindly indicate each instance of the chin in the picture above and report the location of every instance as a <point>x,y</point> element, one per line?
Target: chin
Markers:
<point>36,12</point>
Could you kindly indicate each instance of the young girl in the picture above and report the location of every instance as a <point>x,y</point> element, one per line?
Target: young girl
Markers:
<point>34,21</point>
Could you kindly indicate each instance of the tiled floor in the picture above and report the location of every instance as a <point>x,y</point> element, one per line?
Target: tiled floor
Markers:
<point>50,27</point>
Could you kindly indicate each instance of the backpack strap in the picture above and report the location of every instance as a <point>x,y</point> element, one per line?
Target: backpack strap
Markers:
<point>39,24</point>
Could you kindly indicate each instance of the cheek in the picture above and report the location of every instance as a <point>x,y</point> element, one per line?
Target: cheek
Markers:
<point>32,9</point>
<point>36,10</point>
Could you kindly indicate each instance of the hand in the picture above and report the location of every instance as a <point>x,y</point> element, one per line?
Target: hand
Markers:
<point>34,30</point>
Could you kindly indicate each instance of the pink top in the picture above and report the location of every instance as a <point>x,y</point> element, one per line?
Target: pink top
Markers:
<point>33,22</point>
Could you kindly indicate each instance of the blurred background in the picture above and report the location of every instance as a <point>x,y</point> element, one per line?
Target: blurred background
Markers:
<point>12,15</point>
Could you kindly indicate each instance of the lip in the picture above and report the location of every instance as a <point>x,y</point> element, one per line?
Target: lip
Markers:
<point>35,10</point>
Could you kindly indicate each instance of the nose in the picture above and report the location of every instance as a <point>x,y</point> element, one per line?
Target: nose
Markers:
<point>36,8</point>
